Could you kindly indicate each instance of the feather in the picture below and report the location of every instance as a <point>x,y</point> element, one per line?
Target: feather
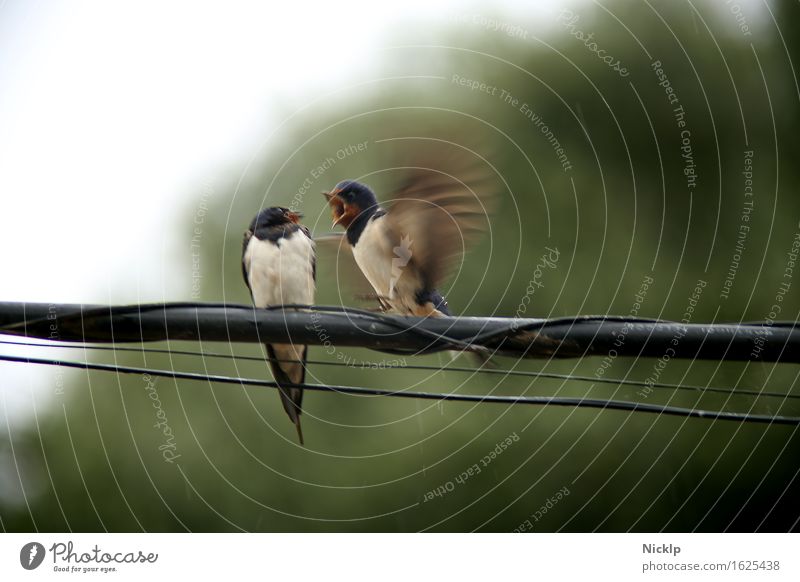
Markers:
<point>288,365</point>
<point>279,267</point>
<point>442,202</point>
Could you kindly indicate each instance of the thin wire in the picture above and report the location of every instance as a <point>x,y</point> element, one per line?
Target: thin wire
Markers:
<point>521,373</point>
<point>535,400</point>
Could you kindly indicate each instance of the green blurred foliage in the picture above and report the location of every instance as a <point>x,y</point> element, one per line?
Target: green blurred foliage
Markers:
<point>621,213</point>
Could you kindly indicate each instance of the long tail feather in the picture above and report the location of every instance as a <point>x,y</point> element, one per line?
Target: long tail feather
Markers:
<point>291,398</point>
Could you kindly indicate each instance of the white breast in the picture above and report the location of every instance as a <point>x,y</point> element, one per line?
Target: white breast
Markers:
<point>281,273</point>
<point>374,255</point>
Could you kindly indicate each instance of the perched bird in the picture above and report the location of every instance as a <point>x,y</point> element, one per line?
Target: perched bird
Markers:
<point>279,268</point>
<point>407,250</point>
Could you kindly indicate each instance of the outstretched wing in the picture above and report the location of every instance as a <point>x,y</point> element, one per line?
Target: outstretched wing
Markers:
<point>442,202</point>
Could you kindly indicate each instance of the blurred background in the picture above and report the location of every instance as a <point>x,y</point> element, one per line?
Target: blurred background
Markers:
<point>653,145</point>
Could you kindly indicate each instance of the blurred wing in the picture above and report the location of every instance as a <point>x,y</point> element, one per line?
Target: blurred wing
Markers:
<point>441,205</point>
<point>346,275</point>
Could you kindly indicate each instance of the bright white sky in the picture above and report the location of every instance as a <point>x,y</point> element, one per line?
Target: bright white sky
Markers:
<point>113,114</point>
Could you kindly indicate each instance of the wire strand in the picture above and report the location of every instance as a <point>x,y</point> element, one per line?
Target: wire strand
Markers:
<point>534,400</point>
<point>461,369</point>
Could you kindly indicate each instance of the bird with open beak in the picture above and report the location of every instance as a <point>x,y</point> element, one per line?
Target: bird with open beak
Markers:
<point>279,268</point>
<point>406,250</point>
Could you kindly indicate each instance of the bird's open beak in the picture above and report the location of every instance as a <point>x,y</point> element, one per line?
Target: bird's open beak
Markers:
<point>337,205</point>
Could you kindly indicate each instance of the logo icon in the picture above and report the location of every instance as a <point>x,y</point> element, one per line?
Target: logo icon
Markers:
<point>31,555</point>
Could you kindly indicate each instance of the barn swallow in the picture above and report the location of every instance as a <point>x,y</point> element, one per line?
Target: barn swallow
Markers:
<point>407,250</point>
<point>279,268</point>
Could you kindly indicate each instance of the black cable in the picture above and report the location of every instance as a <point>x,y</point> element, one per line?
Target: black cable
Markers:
<point>519,373</point>
<point>398,321</point>
<point>394,321</point>
<point>536,400</point>
<point>572,336</point>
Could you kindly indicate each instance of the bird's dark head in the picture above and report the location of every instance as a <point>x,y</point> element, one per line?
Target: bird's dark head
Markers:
<point>274,216</point>
<point>349,200</point>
